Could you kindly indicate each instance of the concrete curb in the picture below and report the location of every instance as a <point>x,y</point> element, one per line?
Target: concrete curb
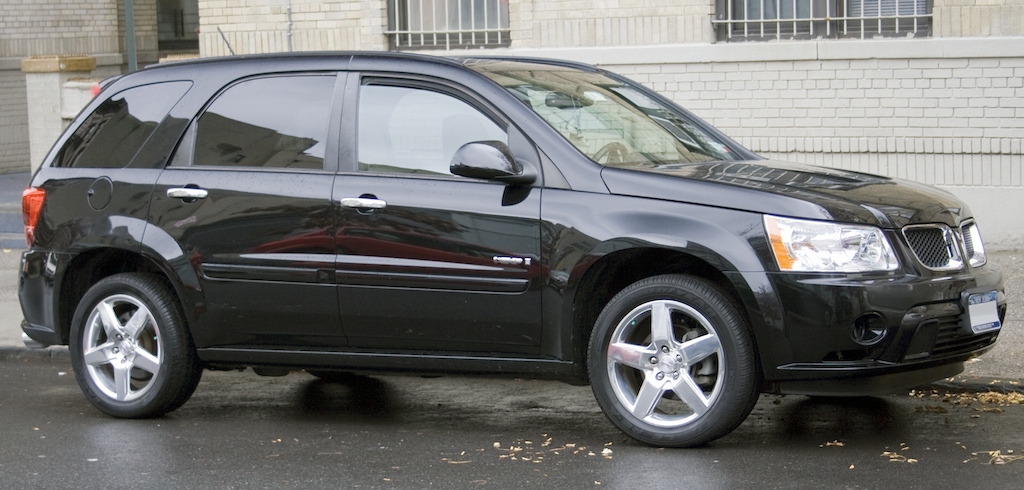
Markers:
<point>979,384</point>
<point>49,353</point>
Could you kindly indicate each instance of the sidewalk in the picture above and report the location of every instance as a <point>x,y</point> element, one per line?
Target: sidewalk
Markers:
<point>1001,369</point>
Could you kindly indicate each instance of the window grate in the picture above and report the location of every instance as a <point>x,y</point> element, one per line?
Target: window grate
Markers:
<point>807,19</point>
<point>447,24</point>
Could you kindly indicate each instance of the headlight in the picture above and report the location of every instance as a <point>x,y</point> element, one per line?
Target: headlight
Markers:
<point>821,246</point>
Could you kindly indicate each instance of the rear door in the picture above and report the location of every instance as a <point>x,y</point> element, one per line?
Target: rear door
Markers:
<point>428,260</point>
<point>248,198</point>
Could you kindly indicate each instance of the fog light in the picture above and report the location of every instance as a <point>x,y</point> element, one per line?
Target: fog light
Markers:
<point>868,329</point>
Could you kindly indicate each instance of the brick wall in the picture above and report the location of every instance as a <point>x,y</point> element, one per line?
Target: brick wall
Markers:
<point>956,121</point>
<point>14,149</point>
<point>261,26</point>
<point>976,18</point>
<point>64,27</point>
<point>557,23</point>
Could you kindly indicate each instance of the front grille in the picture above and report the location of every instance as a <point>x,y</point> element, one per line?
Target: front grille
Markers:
<point>968,239</point>
<point>934,245</point>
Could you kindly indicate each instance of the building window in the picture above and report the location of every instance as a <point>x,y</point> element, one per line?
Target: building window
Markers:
<point>447,24</point>
<point>737,20</point>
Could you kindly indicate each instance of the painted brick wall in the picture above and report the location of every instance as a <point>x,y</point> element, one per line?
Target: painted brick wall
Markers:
<point>257,26</point>
<point>978,18</point>
<point>261,26</point>
<point>939,121</point>
<point>557,23</point>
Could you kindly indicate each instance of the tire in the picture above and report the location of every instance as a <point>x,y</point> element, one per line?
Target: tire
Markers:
<point>704,380</point>
<point>132,355</point>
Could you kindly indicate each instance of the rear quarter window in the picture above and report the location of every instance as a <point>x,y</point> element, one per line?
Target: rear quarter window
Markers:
<point>113,134</point>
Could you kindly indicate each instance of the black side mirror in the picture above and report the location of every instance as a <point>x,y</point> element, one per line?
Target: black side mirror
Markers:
<point>489,160</point>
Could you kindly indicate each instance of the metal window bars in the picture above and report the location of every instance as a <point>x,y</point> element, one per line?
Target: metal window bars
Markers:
<point>447,24</point>
<point>796,19</point>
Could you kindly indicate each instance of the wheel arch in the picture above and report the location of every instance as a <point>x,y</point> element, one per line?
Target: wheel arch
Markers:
<point>613,272</point>
<point>92,266</point>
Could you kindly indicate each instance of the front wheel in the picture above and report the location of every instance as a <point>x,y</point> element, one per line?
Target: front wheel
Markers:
<point>672,363</point>
<point>129,347</point>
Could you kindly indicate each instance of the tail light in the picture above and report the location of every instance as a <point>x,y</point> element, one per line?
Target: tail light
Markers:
<point>31,206</point>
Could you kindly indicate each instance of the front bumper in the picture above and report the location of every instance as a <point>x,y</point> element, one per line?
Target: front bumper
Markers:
<point>870,334</point>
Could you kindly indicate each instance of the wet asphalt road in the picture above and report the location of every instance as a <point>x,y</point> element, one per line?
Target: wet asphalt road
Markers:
<point>245,431</point>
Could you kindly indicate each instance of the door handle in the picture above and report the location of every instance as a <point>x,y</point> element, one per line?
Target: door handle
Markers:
<point>186,193</point>
<point>363,203</point>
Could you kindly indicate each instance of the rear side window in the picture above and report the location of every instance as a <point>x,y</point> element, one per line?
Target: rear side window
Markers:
<point>278,122</point>
<point>112,135</point>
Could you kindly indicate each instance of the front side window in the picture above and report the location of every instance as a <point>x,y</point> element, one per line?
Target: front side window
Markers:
<point>112,135</point>
<point>806,19</point>
<point>275,122</point>
<point>611,122</point>
<point>415,130</point>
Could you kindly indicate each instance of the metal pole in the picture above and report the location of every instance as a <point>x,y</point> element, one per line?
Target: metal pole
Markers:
<point>129,27</point>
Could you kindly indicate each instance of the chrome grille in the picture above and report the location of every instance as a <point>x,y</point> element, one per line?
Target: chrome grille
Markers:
<point>968,239</point>
<point>935,246</point>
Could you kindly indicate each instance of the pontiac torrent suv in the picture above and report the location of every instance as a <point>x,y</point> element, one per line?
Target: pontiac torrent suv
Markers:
<point>400,214</point>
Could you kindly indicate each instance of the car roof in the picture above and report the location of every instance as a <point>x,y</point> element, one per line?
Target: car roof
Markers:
<point>334,57</point>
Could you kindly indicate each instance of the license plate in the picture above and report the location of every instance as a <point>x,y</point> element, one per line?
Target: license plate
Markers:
<point>982,312</point>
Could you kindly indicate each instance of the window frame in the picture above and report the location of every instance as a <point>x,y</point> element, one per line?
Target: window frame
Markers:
<point>183,155</point>
<point>349,142</point>
<point>129,162</point>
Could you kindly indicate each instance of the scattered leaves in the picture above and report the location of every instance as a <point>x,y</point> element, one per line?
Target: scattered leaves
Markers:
<point>997,457</point>
<point>833,444</point>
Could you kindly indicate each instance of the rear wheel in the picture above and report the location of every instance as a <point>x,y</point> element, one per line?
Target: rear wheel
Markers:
<point>131,353</point>
<point>671,362</point>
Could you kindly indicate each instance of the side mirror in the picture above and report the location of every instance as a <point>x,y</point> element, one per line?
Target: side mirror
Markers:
<point>489,160</point>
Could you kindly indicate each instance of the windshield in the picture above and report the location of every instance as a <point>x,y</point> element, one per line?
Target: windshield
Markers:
<point>612,122</point>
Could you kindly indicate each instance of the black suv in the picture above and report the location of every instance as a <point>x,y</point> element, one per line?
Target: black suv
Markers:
<point>399,214</point>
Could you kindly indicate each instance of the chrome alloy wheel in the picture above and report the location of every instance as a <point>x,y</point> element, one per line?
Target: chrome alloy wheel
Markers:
<point>122,348</point>
<point>665,363</point>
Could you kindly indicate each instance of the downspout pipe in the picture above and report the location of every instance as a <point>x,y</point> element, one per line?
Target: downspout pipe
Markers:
<point>129,28</point>
<point>288,9</point>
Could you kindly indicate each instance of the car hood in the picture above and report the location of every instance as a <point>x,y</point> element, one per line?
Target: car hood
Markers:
<point>790,189</point>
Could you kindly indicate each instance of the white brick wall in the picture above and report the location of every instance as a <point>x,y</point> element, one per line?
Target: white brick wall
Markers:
<point>978,18</point>
<point>551,23</point>
<point>261,26</point>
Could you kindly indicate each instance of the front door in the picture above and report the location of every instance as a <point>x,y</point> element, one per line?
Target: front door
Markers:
<point>428,260</point>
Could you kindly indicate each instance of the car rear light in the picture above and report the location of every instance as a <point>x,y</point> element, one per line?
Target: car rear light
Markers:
<point>31,206</point>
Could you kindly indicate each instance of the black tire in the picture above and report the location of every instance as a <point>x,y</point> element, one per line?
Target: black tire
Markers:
<point>704,381</point>
<point>132,355</point>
